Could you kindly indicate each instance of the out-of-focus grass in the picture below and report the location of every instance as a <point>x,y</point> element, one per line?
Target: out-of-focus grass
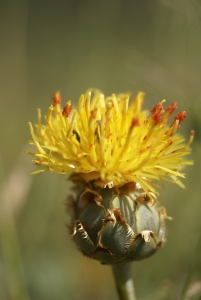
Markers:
<point>192,270</point>
<point>69,46</point>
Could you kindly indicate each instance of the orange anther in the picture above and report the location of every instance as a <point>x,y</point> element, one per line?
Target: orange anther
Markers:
<point>172,107</point>
<point>135,122</point>
<point>180,117</point>
<point>56,99</point>
<point>156,113</point>
<point>67,109</point>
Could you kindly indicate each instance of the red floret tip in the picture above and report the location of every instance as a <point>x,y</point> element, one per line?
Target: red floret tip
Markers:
<point>172,108</point>
<point>67,110</point>
<point>157,113</point>
<point>180,117</point>
<point>135,122</point>
<point>56,99</point>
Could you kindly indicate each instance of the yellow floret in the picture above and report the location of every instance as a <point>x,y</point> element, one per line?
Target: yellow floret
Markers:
<point>109,140</point>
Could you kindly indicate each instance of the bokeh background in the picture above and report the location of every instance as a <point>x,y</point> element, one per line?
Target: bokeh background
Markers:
<point>117,46</point>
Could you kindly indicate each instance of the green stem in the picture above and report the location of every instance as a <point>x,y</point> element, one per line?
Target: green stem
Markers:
<point>123,281</point>
<point>193,266</point>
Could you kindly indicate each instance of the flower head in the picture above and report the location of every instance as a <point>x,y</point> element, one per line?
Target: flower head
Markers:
<point>111,141</point>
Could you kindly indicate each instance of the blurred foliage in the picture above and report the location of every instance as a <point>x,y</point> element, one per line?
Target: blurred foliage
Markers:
<point>115,45</point>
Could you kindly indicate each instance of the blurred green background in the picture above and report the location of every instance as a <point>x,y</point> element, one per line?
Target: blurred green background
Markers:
<point>117,46</point>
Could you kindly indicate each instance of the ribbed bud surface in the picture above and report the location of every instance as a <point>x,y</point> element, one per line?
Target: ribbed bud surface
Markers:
<point>116,224</point>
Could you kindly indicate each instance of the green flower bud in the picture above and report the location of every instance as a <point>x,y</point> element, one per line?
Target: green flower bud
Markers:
<point>116,224</point>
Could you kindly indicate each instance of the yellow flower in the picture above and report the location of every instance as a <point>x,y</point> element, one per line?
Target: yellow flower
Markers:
<point>111,142</point>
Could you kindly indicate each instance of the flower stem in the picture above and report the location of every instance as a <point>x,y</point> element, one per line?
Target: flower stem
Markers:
<point>123,281</point>
<point>193,266</point>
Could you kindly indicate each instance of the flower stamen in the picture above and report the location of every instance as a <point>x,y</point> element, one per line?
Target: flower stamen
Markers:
<point>107,140</point>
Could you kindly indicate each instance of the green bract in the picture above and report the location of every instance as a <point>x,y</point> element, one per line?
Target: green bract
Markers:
<point>116,224</point>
